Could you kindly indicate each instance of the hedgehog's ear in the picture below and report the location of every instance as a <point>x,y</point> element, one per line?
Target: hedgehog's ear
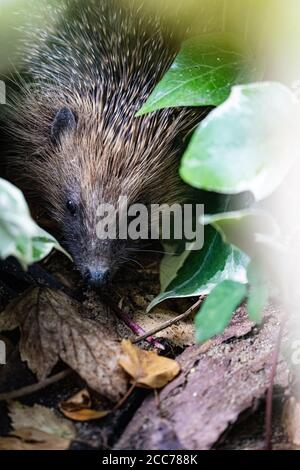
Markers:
<point>64,121</point>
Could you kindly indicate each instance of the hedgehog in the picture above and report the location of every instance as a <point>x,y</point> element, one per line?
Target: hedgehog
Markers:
<point>78,141</point>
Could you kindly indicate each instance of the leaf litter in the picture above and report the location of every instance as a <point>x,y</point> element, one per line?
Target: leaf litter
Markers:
<point>73,320</point>
<point>53,326</point>
<point>219,381</point>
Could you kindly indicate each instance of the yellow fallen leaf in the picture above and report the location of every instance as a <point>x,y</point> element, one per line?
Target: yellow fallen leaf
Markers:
<point>33,439</point>
<point>84,415</point>
<point>78,407</point>
<point>147,368</point>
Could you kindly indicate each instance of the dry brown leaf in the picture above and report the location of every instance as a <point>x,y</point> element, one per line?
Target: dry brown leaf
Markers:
<point>79,408</point>
<point>147,368</point>
<point>53,327</point>
<point>291,420</point>
<point>37,428</point>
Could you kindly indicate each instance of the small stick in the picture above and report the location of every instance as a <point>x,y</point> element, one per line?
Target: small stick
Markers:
<point>124,398</point>
<point>29,389</point>
<point>157,399</point>
<point>168,323</point>
<point>135,328</point>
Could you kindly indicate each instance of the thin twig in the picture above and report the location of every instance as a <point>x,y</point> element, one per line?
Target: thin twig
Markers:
<point>157,399</point>
<point>168,323</point>
<point>124,398</point>
<point>29,389</point>
<point>269,397</point>
<point>135,328</point>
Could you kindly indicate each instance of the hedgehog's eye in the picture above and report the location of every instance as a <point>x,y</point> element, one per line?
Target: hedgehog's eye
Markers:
<point>72,207</point>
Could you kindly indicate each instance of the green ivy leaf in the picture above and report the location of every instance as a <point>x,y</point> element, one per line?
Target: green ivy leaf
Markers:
<point>217,310</point>
<point>203,73</point>
<point>258,291</point>
<point>20,236</point>
<point>194,273</point>
<point>249,143</point>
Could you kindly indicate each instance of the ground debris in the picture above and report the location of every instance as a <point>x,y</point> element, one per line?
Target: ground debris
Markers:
<point>215,387</point>
<point>193,411</point>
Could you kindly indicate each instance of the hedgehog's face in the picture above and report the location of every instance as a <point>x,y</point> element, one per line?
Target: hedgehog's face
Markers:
<point>97,164</point>
<point>97,259</point>
<point>79,201</point>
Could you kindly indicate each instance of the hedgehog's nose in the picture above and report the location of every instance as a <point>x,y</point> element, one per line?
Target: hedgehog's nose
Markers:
<point>97,277</point>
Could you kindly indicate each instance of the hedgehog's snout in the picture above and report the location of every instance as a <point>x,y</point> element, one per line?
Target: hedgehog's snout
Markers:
<point>97,277</point>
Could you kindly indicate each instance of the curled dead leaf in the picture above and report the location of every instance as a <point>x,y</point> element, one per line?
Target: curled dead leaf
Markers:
<point>54,327</point>
<point>78,407</point>
<point>78,401</point>
<point>146,368</point>
<point>84,414</point>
